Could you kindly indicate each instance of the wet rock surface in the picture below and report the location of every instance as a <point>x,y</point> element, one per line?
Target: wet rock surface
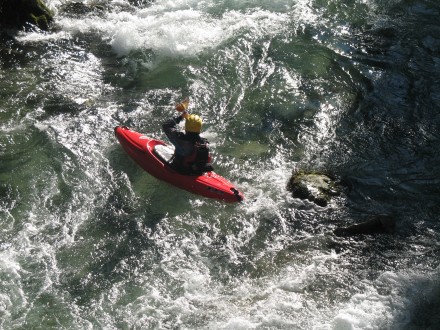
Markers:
<point>78,9</point>
<point>315,187</point>
<point>19,14</point>
<point>378,224</point>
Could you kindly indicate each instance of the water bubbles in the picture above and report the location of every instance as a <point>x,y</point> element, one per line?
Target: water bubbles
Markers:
<point>89,239</point>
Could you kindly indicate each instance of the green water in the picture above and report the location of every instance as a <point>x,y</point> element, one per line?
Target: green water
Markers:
<point>88,240</point>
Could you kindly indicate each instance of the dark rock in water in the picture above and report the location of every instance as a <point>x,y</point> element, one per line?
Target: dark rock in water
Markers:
<point>18,14</point>
<point>380,224</point>
<point>76,9</point>
<point>317,188</point>
<point>140,2</point>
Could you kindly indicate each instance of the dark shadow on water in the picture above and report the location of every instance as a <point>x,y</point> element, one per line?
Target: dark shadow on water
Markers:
<point>392,135</point>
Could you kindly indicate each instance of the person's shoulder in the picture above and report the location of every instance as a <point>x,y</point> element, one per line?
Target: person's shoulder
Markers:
<point>180,135</point>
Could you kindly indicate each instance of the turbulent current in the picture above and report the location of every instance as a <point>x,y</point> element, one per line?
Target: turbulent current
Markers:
<point>88,240</point>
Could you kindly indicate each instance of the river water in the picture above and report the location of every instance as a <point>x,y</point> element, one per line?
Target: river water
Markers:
<point>349,87</point>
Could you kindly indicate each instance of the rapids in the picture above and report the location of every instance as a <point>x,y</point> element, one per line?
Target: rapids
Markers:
<point>350,87</point>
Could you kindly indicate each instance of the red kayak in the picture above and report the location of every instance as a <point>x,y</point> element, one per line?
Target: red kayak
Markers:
<point>153,155</point>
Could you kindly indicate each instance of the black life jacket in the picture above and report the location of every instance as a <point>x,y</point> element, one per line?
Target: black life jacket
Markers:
<point>200,158</point>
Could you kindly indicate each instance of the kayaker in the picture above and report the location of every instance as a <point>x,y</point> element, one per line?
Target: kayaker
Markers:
<point>191,155</point>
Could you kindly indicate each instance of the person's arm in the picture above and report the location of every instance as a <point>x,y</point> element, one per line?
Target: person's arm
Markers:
<point>172,132</point>
<point>170,127</point>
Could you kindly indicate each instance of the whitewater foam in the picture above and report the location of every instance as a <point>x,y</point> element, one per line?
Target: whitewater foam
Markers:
<point>171,29</point>
<point>395,301</point>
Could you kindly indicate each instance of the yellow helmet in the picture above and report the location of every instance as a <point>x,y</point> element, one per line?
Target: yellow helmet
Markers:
<point>193,124</point>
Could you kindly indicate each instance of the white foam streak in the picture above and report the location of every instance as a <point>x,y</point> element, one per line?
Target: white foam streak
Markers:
<point>182,28</point>
<point>393,305</point>
<point>12,295</point>
<point>276,302</point>
<point>177,32</point>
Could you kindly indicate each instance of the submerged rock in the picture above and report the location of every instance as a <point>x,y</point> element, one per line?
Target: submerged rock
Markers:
<point>315,187</point>
<point>77,9</point>
<point>17,14</point>
<point>140,2</point>
<point>379,224</point>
